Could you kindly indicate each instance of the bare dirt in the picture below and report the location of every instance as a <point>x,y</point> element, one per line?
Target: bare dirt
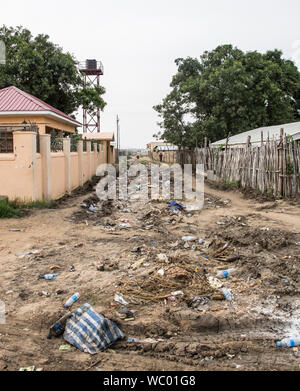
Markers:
<point>196,331</point>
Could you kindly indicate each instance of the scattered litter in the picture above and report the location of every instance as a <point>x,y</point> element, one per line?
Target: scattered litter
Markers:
<point>45,293</point>
<point>220,223</point>
<point>100,268</point>
<point>124,225</point>
<point>119,299</point>
<point>72,300</point>
<point>64,347</point>
<point>125,313</point>
<point>214,282</point>
<point>226,294</point>
<point>161,272</point>
<point>131,339</point>
<point>72,268</point>
<point>175,206</point>
<point>55,267</point>
<point>78,245</point>
<point>288,343</point>
<point>177,293</point>
<point>27,253</point>
<point>15,230</point>
<point>27,369</point>
<point>91,332</point>
<point>58,327</point>
<point>230,356</point>
<point>225,273</point>
<point>49,276</point>
<point>162,257</point>
<point>189,238</point>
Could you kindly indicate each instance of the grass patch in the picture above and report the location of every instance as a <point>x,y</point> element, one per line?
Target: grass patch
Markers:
<point>16,208</point>
<point>17,204</point>
<point>7,210</point>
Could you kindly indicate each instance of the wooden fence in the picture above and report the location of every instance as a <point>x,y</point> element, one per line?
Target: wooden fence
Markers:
<point>272,167</point>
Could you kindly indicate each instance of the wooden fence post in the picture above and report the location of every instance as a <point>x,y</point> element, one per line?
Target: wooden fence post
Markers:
<point>280,147</point>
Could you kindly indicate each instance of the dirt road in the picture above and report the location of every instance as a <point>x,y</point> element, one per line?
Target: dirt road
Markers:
<point>197,331</point>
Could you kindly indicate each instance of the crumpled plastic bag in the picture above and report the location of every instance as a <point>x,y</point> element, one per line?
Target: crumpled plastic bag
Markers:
<point>91,332</point>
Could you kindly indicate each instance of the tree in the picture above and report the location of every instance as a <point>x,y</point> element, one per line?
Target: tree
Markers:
<point>229,91</point>
<point>41,68</point>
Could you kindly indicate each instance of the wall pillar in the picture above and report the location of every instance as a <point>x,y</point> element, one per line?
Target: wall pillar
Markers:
<point>25,154</point>
<point>46,166</point>
<point>95,158</point>
<point>105,144</point>
<point>80,162</point>
<point>89,160</point>
<point>67,153</point>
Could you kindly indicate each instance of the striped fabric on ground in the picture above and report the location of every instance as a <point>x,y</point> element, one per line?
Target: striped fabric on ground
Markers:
<point>90,332</point>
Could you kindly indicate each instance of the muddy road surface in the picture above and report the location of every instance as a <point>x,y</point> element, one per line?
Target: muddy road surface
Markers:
<point>135,249</point>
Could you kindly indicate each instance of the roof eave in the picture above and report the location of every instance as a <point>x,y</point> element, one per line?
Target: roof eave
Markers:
<point>46,113</point>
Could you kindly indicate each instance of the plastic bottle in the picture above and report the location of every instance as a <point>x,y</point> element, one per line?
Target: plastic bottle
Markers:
<point>226,294</point>
<point>225,273</point>
<point>288,342</point>
<point>189,238</point>
<point>72,300</point>
<point>131,339</point>
<point>58,327</point>
<point>49,276</point>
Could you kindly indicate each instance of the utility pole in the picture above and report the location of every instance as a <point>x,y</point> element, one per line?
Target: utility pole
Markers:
<point>118,139</point>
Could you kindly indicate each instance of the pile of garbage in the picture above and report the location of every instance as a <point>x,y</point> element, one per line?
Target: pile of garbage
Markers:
<point>184,281</point>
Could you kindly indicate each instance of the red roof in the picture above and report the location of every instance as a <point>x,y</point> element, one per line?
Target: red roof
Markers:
<point>14,99</point>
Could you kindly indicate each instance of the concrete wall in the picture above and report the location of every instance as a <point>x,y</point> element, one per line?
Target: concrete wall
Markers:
<point>29,176</point>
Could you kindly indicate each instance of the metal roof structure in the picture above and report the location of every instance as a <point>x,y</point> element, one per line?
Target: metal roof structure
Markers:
<point>105,136</point>
<point>14,101</point>
<point>291,129</point>
<point>166,148</point>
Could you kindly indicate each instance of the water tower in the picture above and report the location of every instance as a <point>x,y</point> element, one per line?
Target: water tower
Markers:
<point>91,70</point>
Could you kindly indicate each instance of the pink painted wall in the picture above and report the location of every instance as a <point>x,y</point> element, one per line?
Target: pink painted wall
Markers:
<point>24,174</point>
<point>58,175</point>
<point>74,170</point>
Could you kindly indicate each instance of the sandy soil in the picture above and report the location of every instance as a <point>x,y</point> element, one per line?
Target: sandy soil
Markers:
<point>208,334</point>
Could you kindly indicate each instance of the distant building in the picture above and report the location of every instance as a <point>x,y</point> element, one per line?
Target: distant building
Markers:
<point>152,146</point>
<point>271,132</point>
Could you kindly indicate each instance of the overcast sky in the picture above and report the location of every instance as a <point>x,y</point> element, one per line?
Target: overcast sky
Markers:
<point>138,41</point>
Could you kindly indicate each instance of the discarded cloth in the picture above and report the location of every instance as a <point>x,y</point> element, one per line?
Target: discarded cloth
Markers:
<point>91,332</point>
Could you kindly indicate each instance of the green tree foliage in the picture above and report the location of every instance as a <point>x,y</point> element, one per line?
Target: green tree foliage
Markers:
<point>41,68</point>
<point>229,91</point>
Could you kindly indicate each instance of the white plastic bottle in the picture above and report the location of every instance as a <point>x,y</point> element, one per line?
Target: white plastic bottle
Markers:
<point>288,342</point>
<point>72,300</point>
<point>226,294</point>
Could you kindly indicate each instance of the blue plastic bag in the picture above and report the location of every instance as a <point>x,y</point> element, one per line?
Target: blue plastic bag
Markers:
<point>174,205</point>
